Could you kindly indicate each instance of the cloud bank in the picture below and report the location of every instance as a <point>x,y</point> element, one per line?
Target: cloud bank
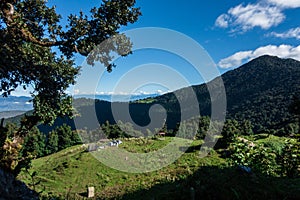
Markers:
<point>264,14</point>
<point>285,3</point>
<point>282,51</point>
<point>120,93</point>
<point>292,33</point>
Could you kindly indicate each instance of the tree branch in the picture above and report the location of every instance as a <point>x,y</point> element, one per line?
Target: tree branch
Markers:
<point>9,16</point>
<point>30,38</point>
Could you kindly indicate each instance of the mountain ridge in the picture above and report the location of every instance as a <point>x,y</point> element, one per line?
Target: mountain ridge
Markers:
<point>260,91</point>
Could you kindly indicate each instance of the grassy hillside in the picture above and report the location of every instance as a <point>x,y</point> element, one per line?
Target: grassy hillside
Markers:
<point>69,172</point>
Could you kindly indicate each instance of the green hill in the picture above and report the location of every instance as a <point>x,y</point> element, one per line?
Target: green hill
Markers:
<point>259,91</point>
<point>67,174</point>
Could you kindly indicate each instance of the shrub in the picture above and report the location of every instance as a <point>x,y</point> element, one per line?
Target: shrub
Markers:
<point>289,159</point>
<point>256,156</point>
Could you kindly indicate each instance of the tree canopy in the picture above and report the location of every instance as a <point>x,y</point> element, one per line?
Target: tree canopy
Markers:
<point>29,31</point>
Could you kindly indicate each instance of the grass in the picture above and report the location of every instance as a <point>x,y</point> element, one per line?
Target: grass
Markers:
<point>147,100</point>
<point>69,172</point>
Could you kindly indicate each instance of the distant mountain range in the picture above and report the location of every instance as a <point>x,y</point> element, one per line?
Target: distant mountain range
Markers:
<point>9,114</point>
<point>116,97</point>
<point>23,103</point>
<point>13,103</point>
<point>259,91</point>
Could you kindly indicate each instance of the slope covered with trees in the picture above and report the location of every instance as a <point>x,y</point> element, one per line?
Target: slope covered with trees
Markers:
<point>259,91</point>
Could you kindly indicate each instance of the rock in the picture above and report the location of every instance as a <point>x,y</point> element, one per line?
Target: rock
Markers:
<point>245,169</point>
<point>11,188</point>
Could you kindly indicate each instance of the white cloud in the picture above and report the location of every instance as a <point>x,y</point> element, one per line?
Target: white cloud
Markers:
<point>292,33</point>
<point>234,60</point>
<point>223,21</point>
<point>76,91</point>
<point>159,92</point>
<point>122,93</point>
<point>100,93</point>
<point>282,51</point>
<point>21,92</point>
<point>243,18</point>
<point>143,93</point>
<point>109,93</point>
<point>286,3</point>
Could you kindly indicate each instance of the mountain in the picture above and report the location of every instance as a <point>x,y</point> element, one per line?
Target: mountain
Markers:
<point>22,103</point>
<point>10,114</point>
<point>13,103</point>
<point>260,91</point>
<point>13,107</point>
<point>117,97</point>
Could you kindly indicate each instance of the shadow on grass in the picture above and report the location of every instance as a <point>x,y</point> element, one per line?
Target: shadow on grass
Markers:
<point>11,188</point>
<point>190,149</point>
<point>226,183</point>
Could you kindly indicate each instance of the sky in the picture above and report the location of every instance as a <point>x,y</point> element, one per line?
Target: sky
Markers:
<point>230,33</point>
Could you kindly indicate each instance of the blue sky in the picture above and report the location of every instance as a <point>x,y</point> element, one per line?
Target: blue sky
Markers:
<point>231,32</point>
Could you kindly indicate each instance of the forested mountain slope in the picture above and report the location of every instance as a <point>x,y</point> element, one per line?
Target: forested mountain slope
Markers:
<point>260,91</point>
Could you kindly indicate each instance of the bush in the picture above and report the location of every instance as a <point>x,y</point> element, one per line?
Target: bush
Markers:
<point>270,158</point>
<point>12,156</point>
<point>289,159</point>
<point>256,156</point>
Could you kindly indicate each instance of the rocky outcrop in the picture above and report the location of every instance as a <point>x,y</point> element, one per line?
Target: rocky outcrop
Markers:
<point>11,189</point>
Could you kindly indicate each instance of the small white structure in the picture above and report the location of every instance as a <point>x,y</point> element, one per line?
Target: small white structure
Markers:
<point>91,192</point>
<point>161,134</point>
<point>114,143</point>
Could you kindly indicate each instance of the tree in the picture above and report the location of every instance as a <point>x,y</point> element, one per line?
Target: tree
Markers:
<point>230,131</point>
<point>75,138</point>
<point>289,159</point>
<point>34,143</point>
<point>52,143</point>
<point>203,127</point>
<point>28,32</point>
<point>294,109</point>
<point>188,128</point>
<point>60,138</point>
<point>128,130</point>
<point>246,127</point>
<point>64,134</point>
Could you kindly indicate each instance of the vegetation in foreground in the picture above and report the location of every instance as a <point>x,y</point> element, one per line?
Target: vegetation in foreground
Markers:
<point>31,29</point>
<point>243,164</point>
<point>68,173</point>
